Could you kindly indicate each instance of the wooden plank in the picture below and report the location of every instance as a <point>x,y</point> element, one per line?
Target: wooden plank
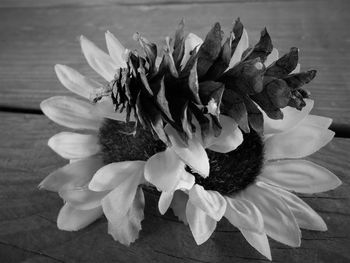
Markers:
<point>28,231</point>
<point>37,38</point>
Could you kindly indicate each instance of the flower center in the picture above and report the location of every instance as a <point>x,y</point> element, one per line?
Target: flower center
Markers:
<point>229,172</point>
<point>234,171</point>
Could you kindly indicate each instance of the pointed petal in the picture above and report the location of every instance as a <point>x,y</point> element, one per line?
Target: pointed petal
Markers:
<point>243,44</point>
<point>112,175</point>
<point>291,118</point>
<point>258,241</point>
<point>72,145</point>
<point>71,219</point>
<point>75,82</point>
<point>165,201</point>
<point>228,140</point>
<point>211,202</point>
<point>279,222</point>
<point>300,176</point>
<point>201,225</point>
<point>82,198</point>
<point>297,143</point>
<point>164,170</point>
<point>126,229</point>
<point>73,175</point>
<point>306,217</point>
<point>70,112</point>
<point>116,50</point>
<point>98,59</point>
<point>243,214</point>
<point>118,202</point>
<point>178,205</point>
<point>192,41</point>
<point>194,154</point>
<point>272,57</point>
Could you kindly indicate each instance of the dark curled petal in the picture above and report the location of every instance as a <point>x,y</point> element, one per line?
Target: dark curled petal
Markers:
<point>237,31</point>
<point>255,117</point>
<point>305,93</point>
<point>247,77</point>
<point>186,125</point>
<point>297,101</point>
<point>209,50</point>
<point>150,50</point>
<point>221,63</point>
<point>179,44</point>
<point>263,48</point>
<point>207,89</point>
<point>285,65</point>
<point>142,73</point>
<point>149,115</point>
<point>295,81</point>
<point>232,104</point>
<point>201,118</point>
<point>263,100</point>
<point>162,101</point>
<point>278,92</point>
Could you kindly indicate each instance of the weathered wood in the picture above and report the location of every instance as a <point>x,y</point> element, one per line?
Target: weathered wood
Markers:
<point>36,38</point>
<point>28,231</point>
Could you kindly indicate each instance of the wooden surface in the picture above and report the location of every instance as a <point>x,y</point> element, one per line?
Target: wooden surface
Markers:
<point>36,34</point>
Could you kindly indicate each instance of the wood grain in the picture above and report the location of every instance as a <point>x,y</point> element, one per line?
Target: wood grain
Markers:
<point>28,231</point>
<point>37,36</point>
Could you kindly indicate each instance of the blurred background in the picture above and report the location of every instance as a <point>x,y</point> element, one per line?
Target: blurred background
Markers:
<point>37,34</point>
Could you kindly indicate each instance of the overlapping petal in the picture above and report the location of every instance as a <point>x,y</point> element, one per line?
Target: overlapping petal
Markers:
<point>71,113</point>
<point>116,50</point>
<point>82,198</point>
<point>272,57</point>
<point>242,46</point>
<point>72,145</point>
<point>192,41</point>
<point>279,222</point>
<point>112,175</point>
<point>211,202</point>
<point>300,176</point>
<point>258,241</point>
<point>202,226</point>
<point>72,219</point>
<point>75,82</point>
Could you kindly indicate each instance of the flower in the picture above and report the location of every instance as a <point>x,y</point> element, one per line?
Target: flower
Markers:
<point>265,205</point>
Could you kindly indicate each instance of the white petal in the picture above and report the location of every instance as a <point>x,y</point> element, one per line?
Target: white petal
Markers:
<point>192,41</point>
<point>178,205</point>
<point>186,181</point>
<point>112,175</point>
<point>279,222</point>
<point>116,50</point>
<point>73,175</point>
<point>258,241</point>
<point>75,82</point>
<point>243,44</point>
<point>164,170</point>
<point>300,176</point>
<point>229,139</point>
<point>296,70</point>
<point>291,118</point>
<point>318,121</point>
<point>297,143</point>
<point>98,59</point>
<point>211,202</point>
<point>70,112</point>
<point>194,154</point>
<point>105,109</point>
<point>71,219</point>
<point>272,57</point>
<point>165,201</point>
<point>244,214</point>
<point>118,202</point>
<point>82,198</point>
<point>72,145</point>
<point>201,225</point>
<point>127,228</point>
<point>306,217</point>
